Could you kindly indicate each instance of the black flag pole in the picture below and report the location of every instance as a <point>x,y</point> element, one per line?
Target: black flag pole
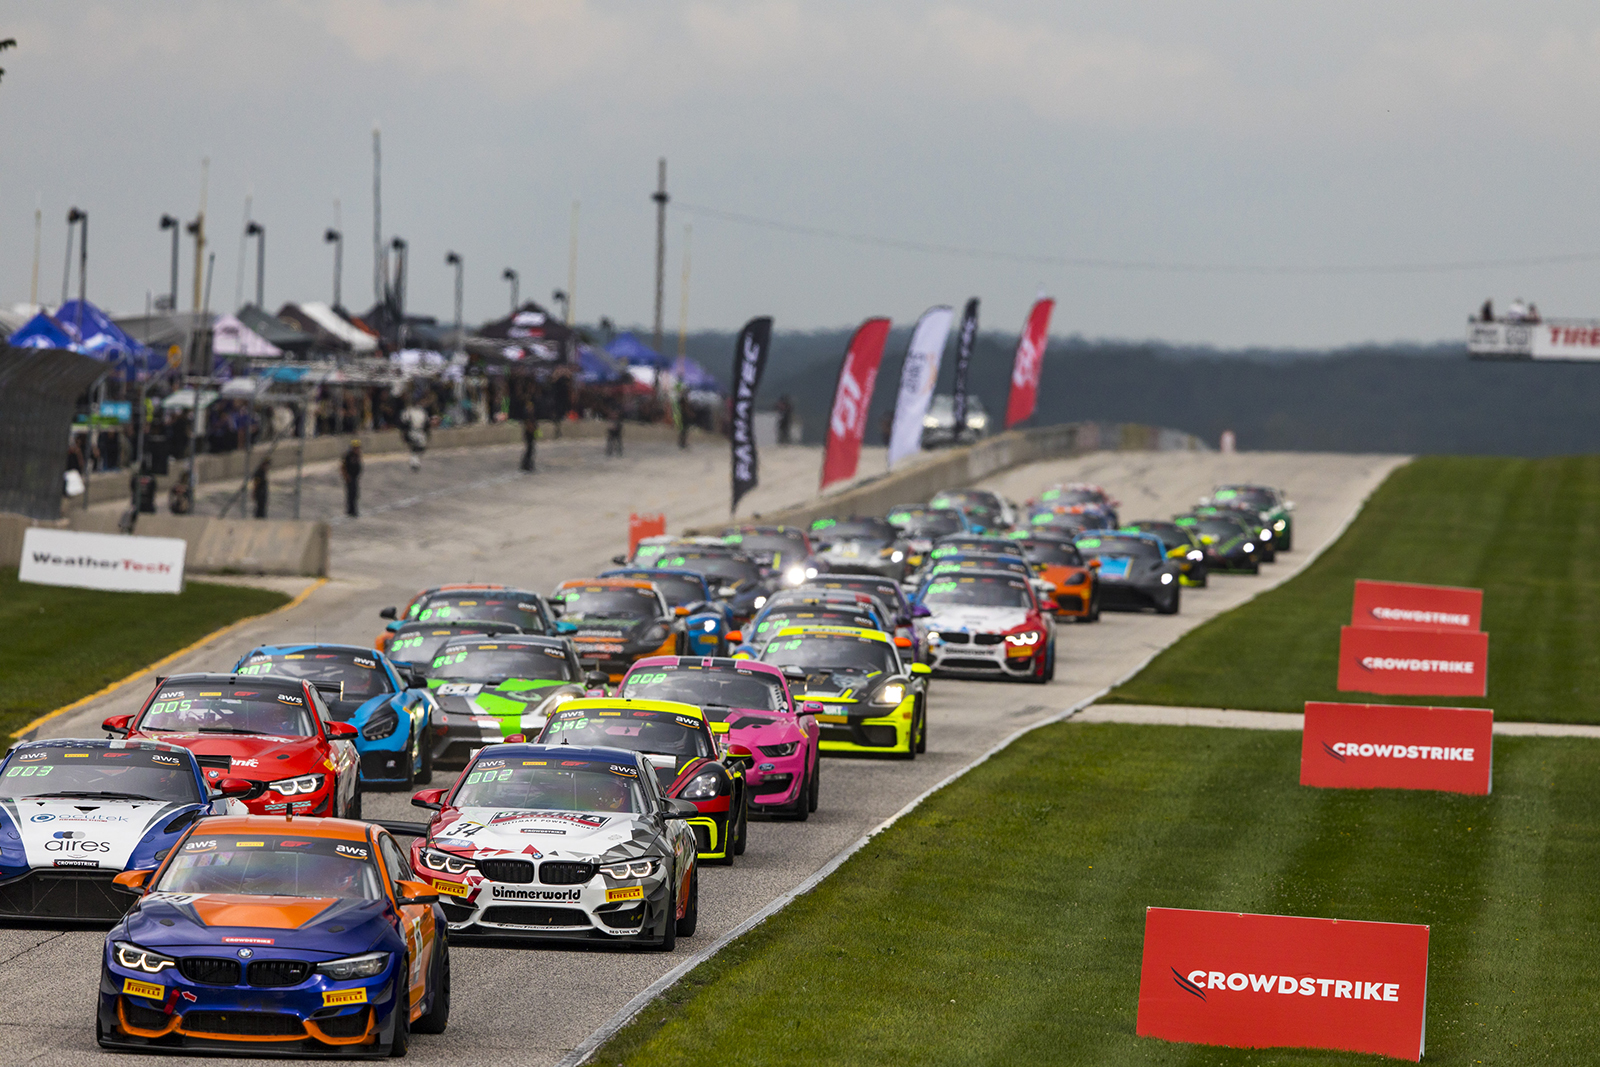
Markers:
<point>964,342</point>
<point>749,361</point>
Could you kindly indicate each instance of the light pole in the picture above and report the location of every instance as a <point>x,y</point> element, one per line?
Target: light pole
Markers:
<point>660,197</point>
<point>259,232</point>
<point>81,219</point>
<point>451,259</point>
<point>399,246</point>
<point>559,296</point>
<point>511,276</point>
<point>196,228</point>
<point>170,223</point>
<point>336,239</point>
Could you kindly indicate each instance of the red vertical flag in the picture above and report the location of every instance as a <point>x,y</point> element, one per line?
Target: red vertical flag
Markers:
<point>1029,362</point>
<point>847,422</point>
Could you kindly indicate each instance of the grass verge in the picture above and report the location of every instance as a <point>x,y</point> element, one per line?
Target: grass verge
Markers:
<point>1526,532</point>
<point>1002,922</point>
<point>62,644</point>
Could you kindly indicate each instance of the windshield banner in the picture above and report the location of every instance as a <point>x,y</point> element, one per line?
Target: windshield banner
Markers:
<point>102,561</point>
<point>1387,746</point>
<point>965,339</point>
<point>1283,981</point>
<point>918,375</point>
<point>1421,663</point>
<point>1405,606</point>
<point>749,360</point>
<point>847,420</point>
<point>1028,364</point>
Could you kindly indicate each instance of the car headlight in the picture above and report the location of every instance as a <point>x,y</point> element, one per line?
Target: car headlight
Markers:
<point>1280,525</point>
<point>1196,555</point>
<point>785,749</point>
<point>710,626</point>
<point>1249,546</point>
<point>382,724</point>
<point>306,783</point>
<point>934,637</point>
<point>1030,638</point>
<point>1166,579</point>
<point>437,860</point>
<point>1266,535</point>
<point>896,556</point>
<point>135,958</point>
<point>930,423</point>
<point>366,965</point>
<point>703,787</point>
<point>893,693</point>
<point>760,602</point>
<point>654,636</point>
<point>977,422</point>
<point>795,575</point>
<point>631,869</point>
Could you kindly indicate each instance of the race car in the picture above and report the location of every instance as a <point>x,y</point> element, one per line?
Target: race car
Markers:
<point>278,734</point>
<point>860,546</point>
<point>984,508</point>
<point>920,526</point>
<point>889,593</point>
<point>520,608</point>
<point>753,700</point>
<point>1091,499</point>
<point>1011,562</point>
<point>681,747</point>
<point>1227,543</point>
<point>413,646</point>
<point>702,621</point>
<point>73,813</point>
<point>1270,506</point>
<point>873,700</point>
<point>808,611</point>
<point>784,551</point>
<point>1056,559</point>
<point>614,622</point>
<point>1250,521</point>
<point>561,842</point>
<point>295,937</point>
<point>988,624</point>
<point>651,549</point>
<point>394,720</point>
<point>1182,544</point>
<point>737,579</point>
<point>490,688</point>
<point>1135,571</point>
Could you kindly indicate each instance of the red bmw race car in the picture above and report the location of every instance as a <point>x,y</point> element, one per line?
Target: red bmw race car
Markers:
<point>277,732</point>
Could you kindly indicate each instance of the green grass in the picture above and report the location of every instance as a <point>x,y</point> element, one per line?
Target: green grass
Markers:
<point>1526,532</point>
<point>61,644</point>
<point>1002,922</point>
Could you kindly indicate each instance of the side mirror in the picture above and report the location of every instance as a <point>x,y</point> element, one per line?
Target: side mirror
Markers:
<point>340,731</point>
<point>132,881</point>
<point>681,611</point>
<point>813,707</point>
<point>735,637</point>
<point>597,679</point>
<point>621,561</point>
<point>416,893</point>
<point>117,725</point>
<point>233,787</point>
<point>902,641</point>
<point>740,754</point>
<point>672,808</point>
<point>1044,588</point>
<point>921,668</point>
<point>389,613</point>
<point>719,727</point>
<point>429,798</point>
<point>921,611</point>
<point>516,739</point>
<point>566,627</point>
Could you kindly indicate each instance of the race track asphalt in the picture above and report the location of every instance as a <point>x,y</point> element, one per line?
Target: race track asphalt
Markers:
<point>468,515</point>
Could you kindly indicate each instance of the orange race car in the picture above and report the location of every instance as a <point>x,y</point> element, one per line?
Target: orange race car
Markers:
<point>615,621</point>
<point>1057,560</point>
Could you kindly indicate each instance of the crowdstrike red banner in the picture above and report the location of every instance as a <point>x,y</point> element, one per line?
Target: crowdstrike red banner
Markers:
<point>847,420</point>
<point>1029,363</point>
<point>1404,606</point>
<point>1398,662</point>
<point>1283,981</point>
<point>1388,746</point>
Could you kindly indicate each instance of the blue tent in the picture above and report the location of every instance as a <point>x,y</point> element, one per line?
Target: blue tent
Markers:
<point>637,353</point>
<point>695,376</point>
<point>41,331</point>
<point>595,367</point>
<point>92,333</point>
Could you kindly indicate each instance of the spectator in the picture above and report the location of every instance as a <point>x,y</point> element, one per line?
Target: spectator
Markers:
<point>614,431</point>
<point>1518,312</point>
<point>258,487</point>
<point>680,413</point>
<point>1533,313</point>
<point>1487,313</point>
<point>530,435</point>
<point>142,487</point>
<point>785,410</point>
<point>179,499</point>
<point>350,470</point>
<point>414,427</point>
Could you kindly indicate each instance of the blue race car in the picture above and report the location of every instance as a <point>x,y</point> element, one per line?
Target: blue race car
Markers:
<point>703,620</point>
<point>395,715</point>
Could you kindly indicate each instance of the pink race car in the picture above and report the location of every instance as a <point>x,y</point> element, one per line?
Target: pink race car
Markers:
<point>753,699</point>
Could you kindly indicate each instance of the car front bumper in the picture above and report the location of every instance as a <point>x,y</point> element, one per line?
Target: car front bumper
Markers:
<point>848,726</point>
<point>64,893</point>
<point>602,909</point>
<point>981,656</point>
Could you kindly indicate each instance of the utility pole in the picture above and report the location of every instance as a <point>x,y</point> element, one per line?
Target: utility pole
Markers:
<point>683,309</point>
<point>660,197</point>
<point>259,232</point>
<point>336,239</point>
<point>170,223</point>
<point>82,219</point>
<point>511,276</point>
<point>451,259</point>
<point>572,266</point>
<point>399,246</point>
<point>377,217</point>
<point>198,229</point>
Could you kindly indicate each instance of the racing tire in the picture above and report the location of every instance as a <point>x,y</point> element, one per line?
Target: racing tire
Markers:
<point>409,783</point>
<point>669,928</point>
<point>815,786</point>
<point>922,727</point>
<point>1049,664</point>
<point>1094,609</point>
<point>800,809</point>
<point>437,1017</point>
<point>741,836</point>
<point>400,1044</point>
<point>1171,606</point>
<point>353,809</point>
<point>910,752</point>
<point>425,774</point>
<point>691,914</point>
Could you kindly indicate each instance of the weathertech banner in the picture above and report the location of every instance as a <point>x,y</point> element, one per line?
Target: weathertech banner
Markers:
<point>749,360</point>
<point>1029,362</point>
<point>1420,663</point>
<point>1389,746</point>
<point>965,339</point>
<point>1282,981</point>
<point>847,420</point>
<point>1405,606</point>
<point>918,375</point>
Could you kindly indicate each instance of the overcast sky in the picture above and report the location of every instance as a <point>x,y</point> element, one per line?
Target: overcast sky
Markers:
<point>1261,135</point>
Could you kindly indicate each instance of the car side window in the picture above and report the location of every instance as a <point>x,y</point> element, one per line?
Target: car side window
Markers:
<point>394,862</point>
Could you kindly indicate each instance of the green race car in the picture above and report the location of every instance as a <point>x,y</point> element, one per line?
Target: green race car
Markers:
<point>1269,504</point>
<point>492,688</point>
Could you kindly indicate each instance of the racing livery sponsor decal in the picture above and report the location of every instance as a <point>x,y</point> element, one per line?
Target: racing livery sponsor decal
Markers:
<point>1413,662</point>
<point>334,998</point>
<point>451,889</point>
<point>1283,981</point>
<point>628,892</point>
<point>135,988</point>
<point>1383,746</point>
<point>1406,606</point>
<point>249,940</point>
<point>543,896</point>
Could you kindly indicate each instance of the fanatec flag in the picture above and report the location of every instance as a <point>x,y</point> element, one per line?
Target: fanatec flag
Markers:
<point>749,360</point>
<point>847,420</point>
<point>964,342</point>
<point>1029,362</point>
<point>917,377</point>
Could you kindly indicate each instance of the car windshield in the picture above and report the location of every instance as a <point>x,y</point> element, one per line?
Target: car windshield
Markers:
<point>249,707</point>
<point>830,652</point>
<point>659,732</point>
<point>1073,496</point>
<point>602,602</point>
<point>550,785</point>
<point>780,618</point>
<point>701,686</point>
<point>952,546</point>
<point>961,564</point>
<point>272,864</point>
<point>927,523</point>
<point>978,591</point>
<point>1172,535</point>
<point>1050,553</point>
<point>358,676</point>
<point>1059,520</point>
<point>761,543</point>
<point>720,569</point>
<point>469,661</point>
<point>518,609</point>
<point>1220,529</point>
<point>965,498</point>
<point>1136,547</point>
<point>853,530</point>
<point>675,588</point>
<point>884,589</point>
<point>1260,499</point>
<point>128,773</point>
<point>419,644</point>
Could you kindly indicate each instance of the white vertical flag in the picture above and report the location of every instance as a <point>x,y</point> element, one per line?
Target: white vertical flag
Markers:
<point>917,378</point>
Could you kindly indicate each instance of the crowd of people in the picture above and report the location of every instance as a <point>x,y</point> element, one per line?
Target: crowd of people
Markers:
<point>1518,312</point>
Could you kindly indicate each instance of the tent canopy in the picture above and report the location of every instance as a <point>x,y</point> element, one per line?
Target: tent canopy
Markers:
<point>596,367</point>
<point>275,331</point>
<point>637,353</point>
<point>230,337</point>
<point>85,329</point>
<point>530,322</point>
<point>359,340</point>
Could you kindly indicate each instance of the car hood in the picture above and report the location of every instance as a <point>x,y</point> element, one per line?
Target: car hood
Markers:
<point>511,697</point>
<point>751,727</point>
<point>609,630</point>
<point>86,833</point>
<point>539,833</point>
<point>837,685</point>
<point>321,927</point>
<point>976,620</point>
<point>261,757</point>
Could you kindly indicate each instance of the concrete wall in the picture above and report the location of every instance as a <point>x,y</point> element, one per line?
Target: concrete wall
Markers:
<point>216,546</point>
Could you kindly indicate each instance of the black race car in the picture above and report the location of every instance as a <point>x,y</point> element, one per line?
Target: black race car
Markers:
<point>1182,544</point>
<point>860,546</point>
<point>1135,572</point>
<point>1228,545</point>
